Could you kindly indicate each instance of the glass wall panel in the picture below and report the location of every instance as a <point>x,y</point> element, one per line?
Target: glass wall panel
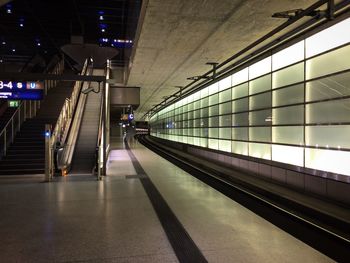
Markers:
<point>260,84</point>
<point>328,112</point>
<point>259,150</point>
<point>260,101</point>
<point>262,117</point>
<point>240,105</point>
<point>203,142</point>
<point>197,132</point>
<point>240,134</point>
<point>213,144</point>
<point>196,141</point>
<point>240,147</point>
<point>225,108</point>
<point>327,88</point>
<point>214,132</point>
<point>288,154</point>
<point>225,133</point>
<point>327,39</point>
<point>290,95</point>
<point>288,135</point>
<point>240,91</point>
<point>214,110</point>
<point>204,112</point>
<point>204,132</point>
<point>240,77</point>
<point>213,88</point>
<point>225,145</point>
<point>336,136</point>
<point>287,76</point>
<point>185,108</point>
<point>213,121</point>
<point>197,104</point>
<point>288,115</point>
<point>225,120</point>
<point>190,106</point>
<point>260,68</point>
<point>204,102</point>
<point>328,63</point>
<point>225,95</point>
<point>214,99</point>
<point>204,122</point>
<point>205,92</point>
<point>328,160</point>
<point>262,134</point>
<point>240,119</point>
<point>197,114</point>
<point>197,95</point>
<point>225,83</point>
<point>288,56</point>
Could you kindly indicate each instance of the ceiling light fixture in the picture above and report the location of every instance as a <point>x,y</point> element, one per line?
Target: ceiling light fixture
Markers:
<point>9,8</point>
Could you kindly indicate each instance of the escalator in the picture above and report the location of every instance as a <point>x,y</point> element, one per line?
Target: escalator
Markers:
<point>84,155</point>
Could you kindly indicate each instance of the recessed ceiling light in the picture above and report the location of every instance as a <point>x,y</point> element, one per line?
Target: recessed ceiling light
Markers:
<point>13,50</point>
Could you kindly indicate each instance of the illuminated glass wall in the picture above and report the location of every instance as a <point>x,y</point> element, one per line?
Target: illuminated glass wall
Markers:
<point>291,107</point>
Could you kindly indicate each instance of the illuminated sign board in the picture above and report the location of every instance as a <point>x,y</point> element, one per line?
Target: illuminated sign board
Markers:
<point>21,90</point>
<point>13,103</point>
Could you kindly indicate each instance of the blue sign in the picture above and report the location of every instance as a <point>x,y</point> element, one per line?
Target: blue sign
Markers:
<point>131,117</point>
<point>21,90</point>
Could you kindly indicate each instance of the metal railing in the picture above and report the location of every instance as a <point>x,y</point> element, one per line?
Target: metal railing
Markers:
<point>67,123</point>
<point>26,110</point>
<point>102,147</point>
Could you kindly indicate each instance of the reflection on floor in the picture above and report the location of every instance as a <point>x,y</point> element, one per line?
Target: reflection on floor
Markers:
<point>113,220</point>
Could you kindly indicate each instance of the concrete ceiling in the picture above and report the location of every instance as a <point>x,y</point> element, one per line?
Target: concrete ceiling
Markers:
<point>177,38</point>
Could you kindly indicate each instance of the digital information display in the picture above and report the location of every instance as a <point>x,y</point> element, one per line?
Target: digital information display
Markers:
<point>21,90</point>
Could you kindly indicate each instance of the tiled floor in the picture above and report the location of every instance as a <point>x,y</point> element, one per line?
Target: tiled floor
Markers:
<point>224,230</point>
<point>84,220</point>
<point>81,220</point>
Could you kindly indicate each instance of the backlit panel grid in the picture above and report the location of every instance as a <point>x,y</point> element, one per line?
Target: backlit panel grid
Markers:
<point>298,97</point>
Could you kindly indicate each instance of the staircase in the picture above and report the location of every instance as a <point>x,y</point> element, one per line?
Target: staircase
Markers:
<point>6,116</point>
<point>27,154</point>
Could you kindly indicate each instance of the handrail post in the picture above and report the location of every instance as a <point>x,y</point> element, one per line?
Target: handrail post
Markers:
<point>48,157</point>
<point>104,129</point>
<point>12,133</point>
<point>5,142</point>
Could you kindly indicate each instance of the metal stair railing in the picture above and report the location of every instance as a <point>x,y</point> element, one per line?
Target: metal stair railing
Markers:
<point>102,147</point>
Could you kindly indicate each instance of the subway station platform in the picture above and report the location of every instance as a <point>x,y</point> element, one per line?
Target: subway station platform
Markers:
<point>79,219</point>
